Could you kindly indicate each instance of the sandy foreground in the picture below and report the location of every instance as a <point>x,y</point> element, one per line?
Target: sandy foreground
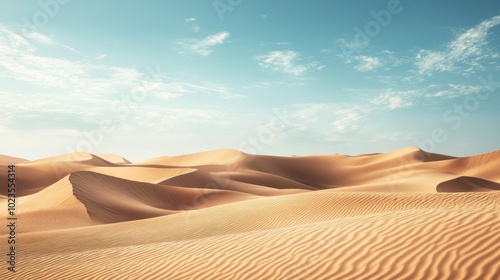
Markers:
<point>223,214</point>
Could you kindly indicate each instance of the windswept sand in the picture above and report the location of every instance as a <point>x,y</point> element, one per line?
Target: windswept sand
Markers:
<point>223,214</point>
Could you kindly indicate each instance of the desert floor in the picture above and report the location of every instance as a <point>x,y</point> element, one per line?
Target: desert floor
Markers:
<point>223,214</point>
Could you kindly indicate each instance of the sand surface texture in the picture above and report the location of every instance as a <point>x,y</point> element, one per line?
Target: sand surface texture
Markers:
<point>224,214</point>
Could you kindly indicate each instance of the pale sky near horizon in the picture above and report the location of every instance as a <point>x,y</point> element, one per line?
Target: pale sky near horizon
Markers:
<point>145,79</point>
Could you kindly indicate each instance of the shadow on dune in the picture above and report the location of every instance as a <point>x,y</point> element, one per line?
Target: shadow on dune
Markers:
<point>467,184</point>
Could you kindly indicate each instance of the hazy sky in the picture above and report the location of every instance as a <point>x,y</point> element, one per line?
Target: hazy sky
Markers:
<point>152,78</point>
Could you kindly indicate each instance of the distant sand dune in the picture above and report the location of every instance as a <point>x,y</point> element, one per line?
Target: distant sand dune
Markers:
<point>33,176</point>
<point>224,214</point>
<point>468,184</point>
<point>5,160</point>
<point>250,184</point>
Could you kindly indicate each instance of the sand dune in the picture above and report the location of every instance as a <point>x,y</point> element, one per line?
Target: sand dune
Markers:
<point>468,184</point>
<point>109,199</point>
<point>251,183</point>
<point>36,175</point>
<point>224,214</point>
<point>428,244</point>
<point>5,160</point>
<point>114,158</point>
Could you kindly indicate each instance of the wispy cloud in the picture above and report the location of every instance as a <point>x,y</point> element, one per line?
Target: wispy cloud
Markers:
<point>88,89</point>
<point>347,118</point>
<point>351,47</point>
<point>99,56</point>
<point>324,120</point>
<point>367,63</point>
<point>22,63</point>
<point>453,90</point>
<point>204,47</point>
<point>465,53</point>
<point>287,62</point>
<point>467,49</point>
<point>393,99</point>
<point>167,90</point>
<point>40,38</point>
<point>337,119</point>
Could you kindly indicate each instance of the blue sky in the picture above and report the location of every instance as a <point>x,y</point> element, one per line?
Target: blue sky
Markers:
<point>151,78</point>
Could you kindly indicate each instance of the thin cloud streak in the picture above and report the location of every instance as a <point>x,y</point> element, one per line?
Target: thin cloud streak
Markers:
<point>468,49</point>
<point>205,46</point>
<point>286,62</point>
